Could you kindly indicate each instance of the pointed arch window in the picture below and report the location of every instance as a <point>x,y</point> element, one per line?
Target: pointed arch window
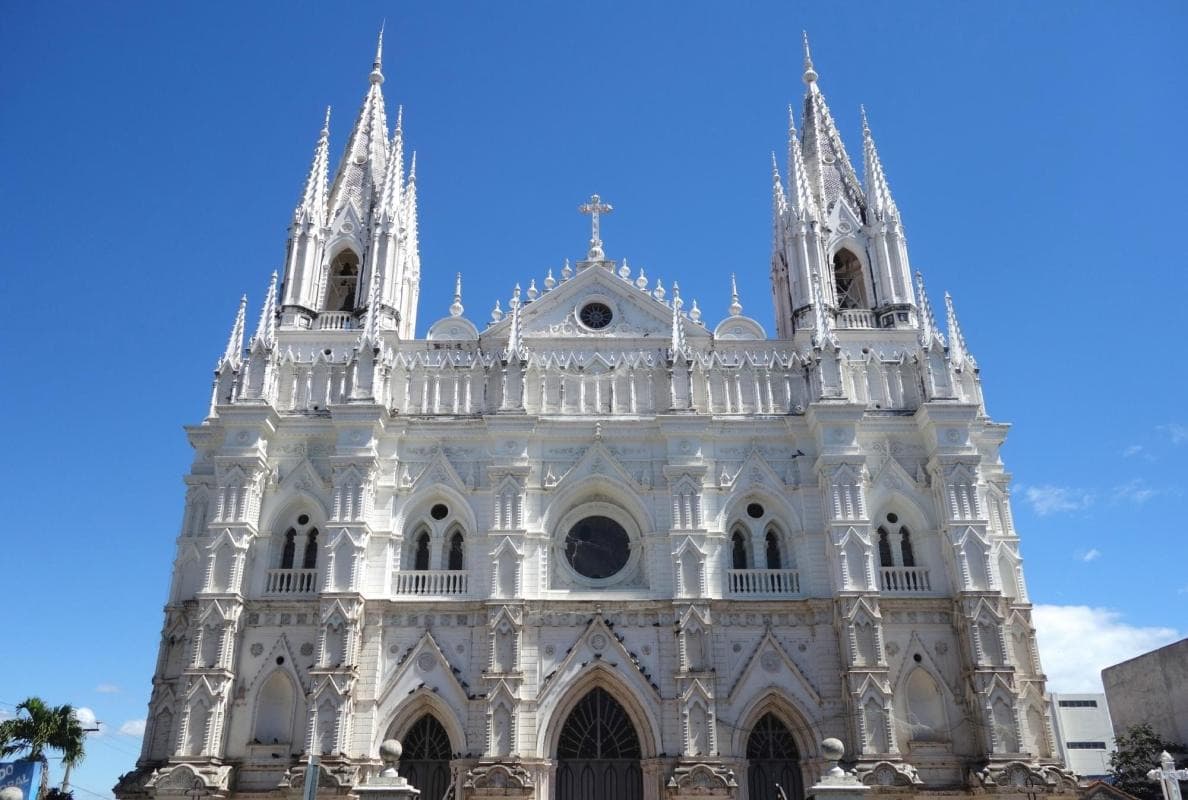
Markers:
<point>421,556</point>
<point>774,561</point>
<point>309,559</point>
<point>342,282</point>
<point>738,550</point>
<point>457,554</point>
<point>885,557</point>
<point>905,547</point>
<point>849,283</point>
<point>289,550</point>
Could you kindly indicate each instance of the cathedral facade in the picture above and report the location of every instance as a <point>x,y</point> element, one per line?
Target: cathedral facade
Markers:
<point>597,548</point>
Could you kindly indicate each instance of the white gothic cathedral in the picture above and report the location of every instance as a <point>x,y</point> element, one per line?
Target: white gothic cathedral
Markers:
<point>599,548</point>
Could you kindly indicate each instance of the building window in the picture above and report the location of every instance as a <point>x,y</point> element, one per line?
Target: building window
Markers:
<point>1086,745</point>
<point>421,558</point>
<point>457,557</point>
<point>848,282</point>
<point>597,547</point>
<point>773,550</point>
<point>301,541</point>
<point>342,282</point>
<point>310,558</point>
<point>1077,703</point>
<point>738,550</point>
<point>289,550</point>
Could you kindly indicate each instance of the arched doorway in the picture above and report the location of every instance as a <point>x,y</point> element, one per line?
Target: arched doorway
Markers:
<point>426,759</point>
<point>772,758</point>
<point>598,752</point>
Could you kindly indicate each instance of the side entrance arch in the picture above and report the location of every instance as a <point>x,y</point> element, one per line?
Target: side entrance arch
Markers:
<point>598,752</point>
<point>426,759</point>
<point>772,758</point>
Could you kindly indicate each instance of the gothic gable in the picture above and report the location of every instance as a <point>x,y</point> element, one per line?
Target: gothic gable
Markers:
<point>770,666</point>
<point>424,666</point>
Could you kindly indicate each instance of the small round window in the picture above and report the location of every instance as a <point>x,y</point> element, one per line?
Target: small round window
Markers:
<point>596,315</point>
<point>439,511</point>
<point>755,510</point>
<point>597,547</point>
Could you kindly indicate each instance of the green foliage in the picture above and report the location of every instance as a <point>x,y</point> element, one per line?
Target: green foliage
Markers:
<point>38,728</point>
<point>1137,754</point>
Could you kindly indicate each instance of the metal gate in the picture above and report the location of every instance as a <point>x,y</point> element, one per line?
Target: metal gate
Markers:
<point>598,752</point>
<point>772,758</point>
<point>426,759</point>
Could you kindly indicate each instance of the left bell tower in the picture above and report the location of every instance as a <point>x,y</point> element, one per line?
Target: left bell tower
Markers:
<point>352,249</point>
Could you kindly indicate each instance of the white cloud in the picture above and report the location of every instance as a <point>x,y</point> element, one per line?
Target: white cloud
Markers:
<point>1092,554</point>
<point>1132,451</point>
<point>1048,499</point>
<point>1133,491</point>
<point>107,688</point>
<point>1077,642</point>
<point>86,716</point>
<point>1176,432</point>
<point>133,727</point>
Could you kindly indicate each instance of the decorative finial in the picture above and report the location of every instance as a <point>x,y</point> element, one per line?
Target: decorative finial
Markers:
<point>625,271</point>
<point>496,312</point>
<point>695,312</point>
<point>456,306</point>
<point>377,75</point>
<point>810,74</point>
<point>775,168</point>
<point>326,123</point>
<point>642,281</point>
<point>735,306</point>
<point>400,118</point>
<point>566,271</point>
<point>533,292</point>
<point>390,751</point>
<point>598,431</point>
<point>412,168</point>
<point>865,124</point>
<point>549,280</point>
<point>515,300</point>
<point>658,292</point>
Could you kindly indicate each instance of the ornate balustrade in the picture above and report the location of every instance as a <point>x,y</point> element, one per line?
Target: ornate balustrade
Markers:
<point>764,581</point>
<point>431,583</point>
<point>904,580</point>
<point>292,581</point>
<point>855,318</point>
<point>336,321</point>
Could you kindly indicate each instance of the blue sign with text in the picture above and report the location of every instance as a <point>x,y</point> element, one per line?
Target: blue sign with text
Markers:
<point>25,775</point>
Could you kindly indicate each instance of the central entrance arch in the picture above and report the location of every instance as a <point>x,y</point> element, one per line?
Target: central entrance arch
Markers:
<point>772,758</point>
<point>426,758</point>
<point>598,752</point>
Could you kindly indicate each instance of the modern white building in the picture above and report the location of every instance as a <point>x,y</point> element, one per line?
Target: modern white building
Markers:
<point>1084,733</point>
<point>601,545</point>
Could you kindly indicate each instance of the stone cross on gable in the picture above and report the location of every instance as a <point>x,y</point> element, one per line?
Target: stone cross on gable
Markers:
<point>1168,776</point>
<point>595,208</point>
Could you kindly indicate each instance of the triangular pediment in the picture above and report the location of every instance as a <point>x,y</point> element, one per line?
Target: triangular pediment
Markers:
<point>424,665</point>
<point>598,646</point>
<point>280,649</point>
<point>597,461</point>
<point>635,313</point>
<point>439,471</point>
<point>755,472</point>
<point>770,666</point>
<point>892,476</point>
<point>915,646</point>
<point>304,477</point>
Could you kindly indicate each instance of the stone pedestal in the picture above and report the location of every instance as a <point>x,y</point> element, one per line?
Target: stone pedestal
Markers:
<point>388,785</point>
<point>836,783</point>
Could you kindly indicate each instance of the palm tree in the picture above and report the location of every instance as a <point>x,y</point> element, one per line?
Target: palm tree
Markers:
<point>38,727</point>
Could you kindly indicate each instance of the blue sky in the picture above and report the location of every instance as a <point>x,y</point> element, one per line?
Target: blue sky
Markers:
<point>152,155</point>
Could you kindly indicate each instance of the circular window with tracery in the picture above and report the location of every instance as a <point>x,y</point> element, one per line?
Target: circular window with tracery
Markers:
<point>597,547</point>
<point>596,315</point>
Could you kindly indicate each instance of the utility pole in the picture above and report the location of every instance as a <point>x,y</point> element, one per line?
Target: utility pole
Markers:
<point>66,775</point>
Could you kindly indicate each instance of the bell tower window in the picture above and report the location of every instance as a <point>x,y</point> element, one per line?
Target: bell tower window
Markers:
<point>849,284</point>
<point>342,282</point>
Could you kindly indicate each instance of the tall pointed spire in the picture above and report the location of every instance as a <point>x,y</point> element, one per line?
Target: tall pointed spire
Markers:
<point>829,171</point>
<point>515,344</point>
<point>234,350</point>
<point>266,327</point>
<point>823,321</point>
<point>800,198</point>
<point>779,205</point>
<point>377,66</point>
<point>361,171</point>
<point>373,306</point>
<point>878,192</point>
<point>456,308</point>
<point>735,305</point>
<point>678,322</point>
<point>958,353</point>
<point>810,74</point>
<point>929,330</point>
<point>392,195</point>
<point>312,205</point>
